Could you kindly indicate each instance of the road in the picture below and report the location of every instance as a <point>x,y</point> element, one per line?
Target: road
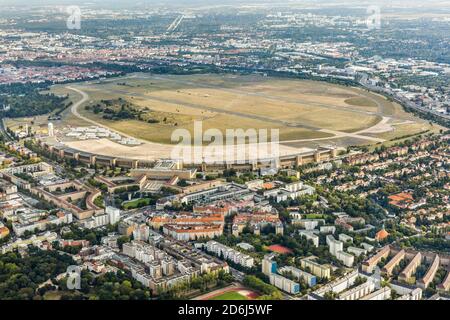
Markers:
<point>74,108</point>
<point>400,100</point>
<point>84,98</point>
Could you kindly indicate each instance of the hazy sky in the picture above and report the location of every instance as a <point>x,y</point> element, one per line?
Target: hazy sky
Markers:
<point>136,3</point>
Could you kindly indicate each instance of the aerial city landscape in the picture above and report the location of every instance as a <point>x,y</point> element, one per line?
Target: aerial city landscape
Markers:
<point>224,150</point>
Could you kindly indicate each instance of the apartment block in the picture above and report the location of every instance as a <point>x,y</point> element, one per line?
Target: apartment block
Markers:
<point>339,285</point>
<point>372,262</point>
<point>358,292</point>
<point>284,284</point>
<point>405,275</point>
<point>431,272</point>
<point>445,285</point>
<point>322,271</point>
<point>346,258</point>
<point>268,265</point>
<point>230,254</point>
<point>310,279</point>
<point>345,238</point>
<point>357,251</point>
<point>389,267</point>
<point>381,294</point>
<point>310,236</point>
<point>183,232</point>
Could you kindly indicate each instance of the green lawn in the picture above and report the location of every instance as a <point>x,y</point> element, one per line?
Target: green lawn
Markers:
<point>232,295</point>
<point>361,101</point>
<point>314,216</point>
<point>137,203</point>
<point>100,201</point>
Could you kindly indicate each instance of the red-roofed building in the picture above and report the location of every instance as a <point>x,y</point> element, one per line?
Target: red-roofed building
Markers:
<point>4,232</point>
<point>381,235</point>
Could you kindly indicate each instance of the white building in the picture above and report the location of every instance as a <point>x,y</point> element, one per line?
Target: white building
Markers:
<point>406,292</point>
<point>358,292</point>
<point>310,236</point>
<point>334,245</point>
<point>357,251</point>
<point>345,238</point>
<point>96,221</point>
<point>37,220</point>
<point>367,246</point>
<point>381,294</point>
<point>290,191</point>
<point>327,229</point>
<point>310,279</point>
<point>337,249</point>
<point>113,214</point>
<point>230,254</point>
<point>284,284</point>
<point>51,130</point>
<point>346,258</point>
<point>308,224</point>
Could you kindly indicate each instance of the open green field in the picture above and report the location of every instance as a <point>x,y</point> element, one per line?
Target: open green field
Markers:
<point>299,109</point>
<point>361,102</point>
<point>306,113</point>
<point>231,295</point>
<point>137,203</point>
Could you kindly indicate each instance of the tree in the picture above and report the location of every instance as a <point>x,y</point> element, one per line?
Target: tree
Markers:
<point>122,240</point>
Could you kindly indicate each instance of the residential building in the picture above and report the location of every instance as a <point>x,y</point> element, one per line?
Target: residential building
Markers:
<point>269,266</point>
<point>310,279</point>
<point>230,254</point>
<point>284,284</point>
<point>309,265</point>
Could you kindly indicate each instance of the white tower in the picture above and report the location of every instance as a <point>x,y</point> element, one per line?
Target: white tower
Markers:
<point>51,131</point>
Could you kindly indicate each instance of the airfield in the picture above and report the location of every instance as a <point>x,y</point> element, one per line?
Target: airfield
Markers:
<point>308,114</point>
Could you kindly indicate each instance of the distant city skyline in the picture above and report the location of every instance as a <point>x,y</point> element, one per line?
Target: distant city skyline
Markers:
<point>126,3</point>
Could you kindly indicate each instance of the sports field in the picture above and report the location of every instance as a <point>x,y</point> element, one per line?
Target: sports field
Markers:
<point>232,295</point>
<point>232,292</point>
